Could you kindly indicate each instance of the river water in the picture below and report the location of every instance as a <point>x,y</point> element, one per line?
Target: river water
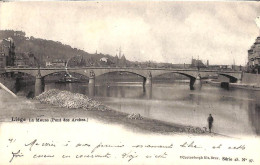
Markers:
<point>236,111</point>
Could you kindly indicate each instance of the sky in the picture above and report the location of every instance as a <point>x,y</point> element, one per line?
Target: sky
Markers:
<point>173,32</point>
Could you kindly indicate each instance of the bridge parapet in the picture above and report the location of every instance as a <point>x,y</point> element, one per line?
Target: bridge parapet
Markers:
<point>144,72</point>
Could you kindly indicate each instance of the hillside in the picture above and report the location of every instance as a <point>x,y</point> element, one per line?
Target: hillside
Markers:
<point>48,50</point>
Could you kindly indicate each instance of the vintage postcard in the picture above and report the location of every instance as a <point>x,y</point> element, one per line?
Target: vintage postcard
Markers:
<point>129,82</point>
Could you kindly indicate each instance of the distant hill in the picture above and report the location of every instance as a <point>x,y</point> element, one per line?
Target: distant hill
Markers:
<point>48,50</point>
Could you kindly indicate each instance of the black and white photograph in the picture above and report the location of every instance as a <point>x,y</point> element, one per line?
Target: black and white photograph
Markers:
<point>130,82</point>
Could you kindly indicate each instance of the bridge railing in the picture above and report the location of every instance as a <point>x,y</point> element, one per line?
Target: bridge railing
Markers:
<point>117,67</point>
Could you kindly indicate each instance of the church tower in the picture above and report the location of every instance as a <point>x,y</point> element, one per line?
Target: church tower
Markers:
<point>120,53</point>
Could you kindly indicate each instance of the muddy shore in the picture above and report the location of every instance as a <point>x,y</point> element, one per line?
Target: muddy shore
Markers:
<point>97,110</point>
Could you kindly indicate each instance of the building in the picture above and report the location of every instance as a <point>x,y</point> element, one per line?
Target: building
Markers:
<point>120,59</point>
<point>25,59</point>
<point>76,61</point>
<point>2,60</point>
<point>116,60</point>
<point>56,63</point>
<point>254,57</point>
<point>197,63</point>
<point>104,59</point>
<point>21,59</point>
<point>3,53</point>
<point>48,63</point>
<point>7,52</point>
<point>8,57</point>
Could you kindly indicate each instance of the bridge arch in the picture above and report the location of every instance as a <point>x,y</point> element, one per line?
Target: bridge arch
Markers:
<point>232,79</point>
<point>191,76</point>
<point>63,71</point>
<point>124,71</point>
<point>27,72</point>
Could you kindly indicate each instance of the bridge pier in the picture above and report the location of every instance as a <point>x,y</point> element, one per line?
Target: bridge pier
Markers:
<point>148,80</point>
<point>195,83</point>
<point>39,85</point>
<point>192,81</point>
<point>148,92</point>
<point>91,84</point>
<point>147,83</point>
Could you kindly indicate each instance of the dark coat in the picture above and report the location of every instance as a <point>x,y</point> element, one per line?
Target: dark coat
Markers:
<point>210,119</point>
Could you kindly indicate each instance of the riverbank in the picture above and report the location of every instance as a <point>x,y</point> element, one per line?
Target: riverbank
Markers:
<point>170,104</point>
<point>97,110</point>
<point>9,82</point>
<point>235,85</point>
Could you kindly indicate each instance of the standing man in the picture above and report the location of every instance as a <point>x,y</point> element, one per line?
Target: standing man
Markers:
<point>210,121</point>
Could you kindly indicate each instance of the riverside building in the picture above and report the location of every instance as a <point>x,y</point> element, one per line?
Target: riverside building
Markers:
<point>7,52</point>
<point>254,57</point>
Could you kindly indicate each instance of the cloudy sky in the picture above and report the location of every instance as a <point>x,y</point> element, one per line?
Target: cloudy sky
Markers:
<point>173,32</point>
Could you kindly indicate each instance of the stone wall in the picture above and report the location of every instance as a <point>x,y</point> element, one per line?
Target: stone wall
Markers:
<point>251,79</point>
<point>10,83</point>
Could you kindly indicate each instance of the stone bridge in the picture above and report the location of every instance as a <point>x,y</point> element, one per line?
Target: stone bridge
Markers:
<point>230,76</point>
<point>146,73</point>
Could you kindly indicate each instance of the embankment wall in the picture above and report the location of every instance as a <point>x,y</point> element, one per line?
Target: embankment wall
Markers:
<point>251,79</point>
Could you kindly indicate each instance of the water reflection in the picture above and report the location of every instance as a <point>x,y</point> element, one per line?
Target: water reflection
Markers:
<point>120,91</point>
<point>148,92</point>
<point>254,111</point>
<point>254,114</point>
<point>195,98</point>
